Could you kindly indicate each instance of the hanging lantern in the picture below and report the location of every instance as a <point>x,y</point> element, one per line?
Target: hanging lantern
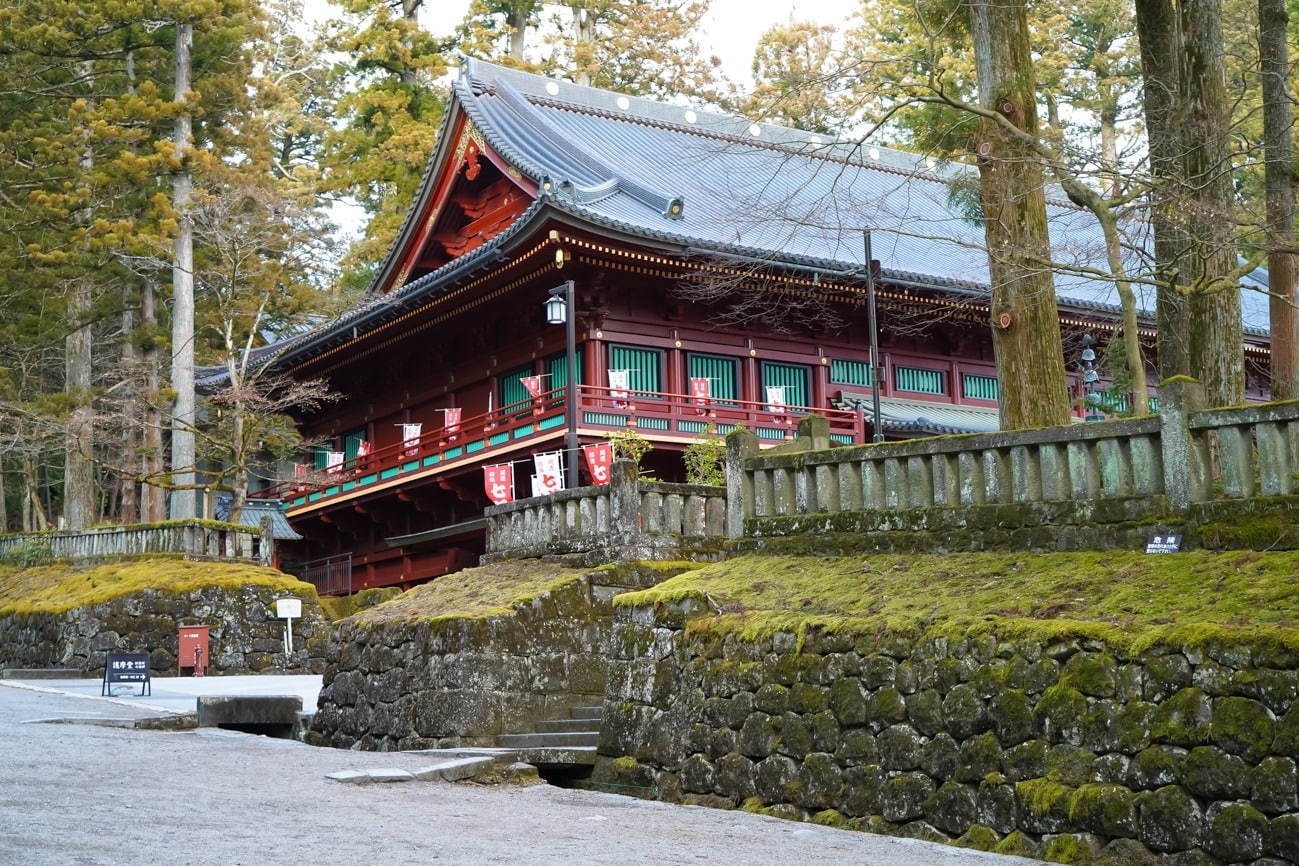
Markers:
<point>556,310</point>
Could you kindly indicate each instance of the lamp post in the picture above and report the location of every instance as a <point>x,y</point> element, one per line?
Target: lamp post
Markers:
<point>877,434</point>
<point>561,310</point>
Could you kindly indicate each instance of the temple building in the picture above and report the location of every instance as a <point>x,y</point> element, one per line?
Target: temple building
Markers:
<point>701,249</point>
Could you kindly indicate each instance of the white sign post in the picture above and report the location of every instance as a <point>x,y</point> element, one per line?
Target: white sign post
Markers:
<point>288,609</point>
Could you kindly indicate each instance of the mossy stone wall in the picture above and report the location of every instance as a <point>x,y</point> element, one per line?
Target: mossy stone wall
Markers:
<point>444,682</point>
<point>245,635</point>
<point>1072,750</point>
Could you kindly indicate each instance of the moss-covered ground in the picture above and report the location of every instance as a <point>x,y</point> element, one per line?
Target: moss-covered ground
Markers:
<point>60,587</point>
<point>338,607</point>
<point>488,590</point>
<point>1130,599</point>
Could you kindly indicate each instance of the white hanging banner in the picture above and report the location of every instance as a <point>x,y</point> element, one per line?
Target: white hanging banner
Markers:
<point>550,470</point>
<point>537,488</point>
<point>619,385</point>
<point>776,399</point>
<point>333,461</point>
<point>410,434</point>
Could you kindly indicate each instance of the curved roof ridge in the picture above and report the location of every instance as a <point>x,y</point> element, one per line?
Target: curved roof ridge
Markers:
<point>559,155</point>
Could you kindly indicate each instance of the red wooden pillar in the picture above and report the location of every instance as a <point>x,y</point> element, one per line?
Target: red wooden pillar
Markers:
<point>750,384</point>
<point>821,384</point>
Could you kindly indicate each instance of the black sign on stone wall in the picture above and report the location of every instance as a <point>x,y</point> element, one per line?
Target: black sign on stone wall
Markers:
<point>130,668</point>
<point>1164,543</point>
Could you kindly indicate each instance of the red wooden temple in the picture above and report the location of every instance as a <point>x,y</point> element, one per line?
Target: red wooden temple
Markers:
<point>670,223</point>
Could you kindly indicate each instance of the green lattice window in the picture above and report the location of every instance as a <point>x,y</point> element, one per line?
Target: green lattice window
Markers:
<point>980,387</point>
<point>851,372</point>
<point>557,367</point>
<point>320,455</point>
<point>352,443</point>
<point>723,373</point>
<point>512,390</point>
<point>644,366</point>
<point>920,380</point>
<point>793,377</point>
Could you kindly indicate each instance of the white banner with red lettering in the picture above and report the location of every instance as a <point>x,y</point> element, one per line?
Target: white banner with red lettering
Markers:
<point>550,471</point>
<point>776,399</point>
<point>333,461</point>
<point>363,449</point>
<point>410,434</point>
<point>531,384</point>
<point>700,391</point>
<point>498,481</point>
<point>599,460</point>
<point>451,422</point>
<point>619,383</point>
<point>538,489</point>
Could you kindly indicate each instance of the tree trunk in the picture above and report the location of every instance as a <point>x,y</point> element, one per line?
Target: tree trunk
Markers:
<point>182,280</point>
<point>517,19</point>
<point>152,504</point>
<point>583,37</point>
<point>1109,116</point>
<point>1025,318</point>
<point>1158,32</point>
<point>78,465</point>
<point>1208,209</point>
<point>34,512</point>
<point>410,12</point>
<point>129,508</point>
<point>240,467</point>
<point>4,504</point>
<point>1278,182</point>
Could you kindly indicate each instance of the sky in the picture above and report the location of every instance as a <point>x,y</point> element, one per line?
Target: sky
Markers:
<point>731,30</point>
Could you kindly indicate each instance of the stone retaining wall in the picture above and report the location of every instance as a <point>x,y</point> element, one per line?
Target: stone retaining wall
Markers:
<point>245,635</point>
<point>446,682</point>
<point>1070,750</point>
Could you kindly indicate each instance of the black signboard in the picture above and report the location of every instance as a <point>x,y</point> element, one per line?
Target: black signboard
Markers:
<point>130,668</point>
<point>1164,543</point>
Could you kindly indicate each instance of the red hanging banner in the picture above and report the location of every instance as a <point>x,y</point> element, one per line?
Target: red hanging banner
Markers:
<point>599,459</point>
<point>700,391</point>
<point>451,421</point>
<point>363,449</point>
<point>498,481</point>
<point>531,384</point>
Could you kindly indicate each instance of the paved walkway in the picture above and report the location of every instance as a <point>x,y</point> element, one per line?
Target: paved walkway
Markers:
<point>81,794</point>
<point>178,694</point>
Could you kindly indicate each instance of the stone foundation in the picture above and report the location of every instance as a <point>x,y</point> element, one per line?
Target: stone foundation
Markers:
<point>1069,750</point>
<point>446,682</point>
<point>245,635</point>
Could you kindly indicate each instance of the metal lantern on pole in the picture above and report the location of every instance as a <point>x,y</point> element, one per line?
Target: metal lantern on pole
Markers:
<point>877,433</point>
<point>1089,378</point>
<point>561,310</point>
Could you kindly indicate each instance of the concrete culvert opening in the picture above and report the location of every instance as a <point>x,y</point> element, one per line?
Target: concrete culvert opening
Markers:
<point>269,715</point>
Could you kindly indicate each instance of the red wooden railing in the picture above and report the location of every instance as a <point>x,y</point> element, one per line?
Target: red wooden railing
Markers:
<point>651,413</point>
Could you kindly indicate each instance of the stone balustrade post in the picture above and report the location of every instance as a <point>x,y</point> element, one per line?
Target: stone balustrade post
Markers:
<point>1183,482</point>
<point>266,551</point>
<point>740,444</point>
<point>624,507</point>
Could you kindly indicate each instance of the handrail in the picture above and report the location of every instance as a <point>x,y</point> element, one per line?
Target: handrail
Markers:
<point>549,404</point>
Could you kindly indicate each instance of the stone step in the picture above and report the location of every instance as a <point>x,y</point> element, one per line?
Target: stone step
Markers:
<point>585,712</point>
<point>553,726</point>
<point>543,741</point>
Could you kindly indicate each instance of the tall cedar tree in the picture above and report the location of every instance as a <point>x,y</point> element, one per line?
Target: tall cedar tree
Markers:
<point>1274,63</point>
<point>1025,321</point>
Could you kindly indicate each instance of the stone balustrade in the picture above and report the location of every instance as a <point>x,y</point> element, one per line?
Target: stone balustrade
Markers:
<point>195,539</point>
<point>628,518</point>
<point>1129,477</point>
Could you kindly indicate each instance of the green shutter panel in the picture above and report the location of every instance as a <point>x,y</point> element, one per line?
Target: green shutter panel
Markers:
<point>792,376</point>
<point>512,391</point>
<point>643,364</point>
<point>723,373</point>
<point>557,367</point>
<point>919,380</point>
<point>850,372</point>
<point>980,387</point>
<point>352,443</point>
<point>320,456</point>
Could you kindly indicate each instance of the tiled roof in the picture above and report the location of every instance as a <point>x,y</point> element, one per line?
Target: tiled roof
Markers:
<point>704,184</point>
<point>899,415</point>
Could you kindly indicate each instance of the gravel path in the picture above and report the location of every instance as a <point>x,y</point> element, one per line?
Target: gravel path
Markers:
<point>81,794</point>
